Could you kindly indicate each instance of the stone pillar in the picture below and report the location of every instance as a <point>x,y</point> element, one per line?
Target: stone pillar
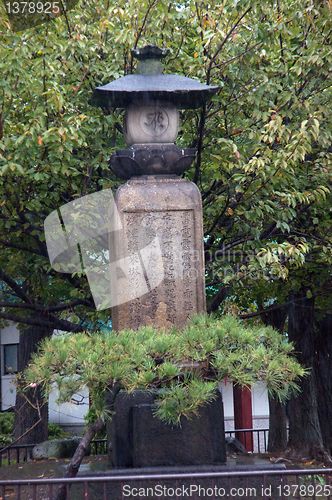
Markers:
<point>161,267</point>
<point>161,243</point>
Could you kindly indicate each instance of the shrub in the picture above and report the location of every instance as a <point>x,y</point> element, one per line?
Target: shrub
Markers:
<point>56,432</point>
<point>185,366</point>
<point>6,428</point>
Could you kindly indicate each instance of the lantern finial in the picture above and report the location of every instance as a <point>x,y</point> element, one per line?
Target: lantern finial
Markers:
<point>149,59</point>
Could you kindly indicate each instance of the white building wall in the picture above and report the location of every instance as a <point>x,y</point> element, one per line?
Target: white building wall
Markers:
<point>260,405</point>
<point>69,415</point>
<point>9,335</point>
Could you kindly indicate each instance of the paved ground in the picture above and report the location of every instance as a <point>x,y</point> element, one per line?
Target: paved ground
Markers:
<point>50,468</point>
<point>97,465</point>
<point>47,469</point>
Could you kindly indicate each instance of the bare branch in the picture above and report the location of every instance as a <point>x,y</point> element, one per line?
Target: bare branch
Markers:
<point>201,127</point>
<point>23,248</point>
<point>249,49</point>
<point>14,286</point>
<point>52,322</point>
<point>47,309</point>
<point>222,44</point>
<point>218,299</point>
<point>36,407</point>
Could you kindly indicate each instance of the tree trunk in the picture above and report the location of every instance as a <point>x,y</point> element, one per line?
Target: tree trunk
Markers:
<point>31,422</point>
<point>323,370</point>
<point>78,456</point>
<point>81,450</point>
<point>277,426</point>
<point>277,411</point>
<point>305,436</point>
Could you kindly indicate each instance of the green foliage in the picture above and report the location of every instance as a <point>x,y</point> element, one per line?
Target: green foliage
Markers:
<point>264,166</point>
<point>6,422</point>
<point>56,432</point>
<point>183,366</point>
<point>6,428</point>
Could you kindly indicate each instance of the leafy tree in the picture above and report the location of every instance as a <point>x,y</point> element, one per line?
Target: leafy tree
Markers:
<point>264,144</point>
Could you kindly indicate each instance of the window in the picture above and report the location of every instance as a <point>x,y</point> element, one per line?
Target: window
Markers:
<point>10,355</point>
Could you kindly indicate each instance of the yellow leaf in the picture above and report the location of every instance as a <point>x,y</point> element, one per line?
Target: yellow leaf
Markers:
<point>207,21</point>
<point>195,55</point>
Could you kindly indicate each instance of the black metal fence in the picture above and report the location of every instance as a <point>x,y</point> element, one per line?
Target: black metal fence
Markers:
<point>296,484</point>
<point>19,453</point>
<point>99,447</point>
<point>248,437</point>
<point>15,454</point>
<point>22,452</point>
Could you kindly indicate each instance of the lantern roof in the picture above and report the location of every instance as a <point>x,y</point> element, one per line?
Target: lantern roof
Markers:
<point>149,84</point>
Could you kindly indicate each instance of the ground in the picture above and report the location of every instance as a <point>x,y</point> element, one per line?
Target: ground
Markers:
<point>93,465</point>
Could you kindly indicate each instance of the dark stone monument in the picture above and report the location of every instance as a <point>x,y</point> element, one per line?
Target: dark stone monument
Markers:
<point>139,439</point>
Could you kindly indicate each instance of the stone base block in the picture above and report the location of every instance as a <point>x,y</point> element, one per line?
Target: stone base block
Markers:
<point>141,440</point>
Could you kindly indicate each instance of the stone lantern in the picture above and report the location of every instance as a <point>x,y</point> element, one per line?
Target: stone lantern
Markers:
<point>156,204</point>
<point>159,251</point>
<point>161,279</point>
<point>152,101</point>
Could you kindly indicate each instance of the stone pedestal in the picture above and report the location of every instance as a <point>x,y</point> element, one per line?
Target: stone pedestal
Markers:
<point>139,439</point>
<point>160,251</point>
<point>160,282</point>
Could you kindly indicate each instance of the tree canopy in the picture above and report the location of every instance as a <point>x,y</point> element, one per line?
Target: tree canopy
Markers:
<point>264,143</point>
